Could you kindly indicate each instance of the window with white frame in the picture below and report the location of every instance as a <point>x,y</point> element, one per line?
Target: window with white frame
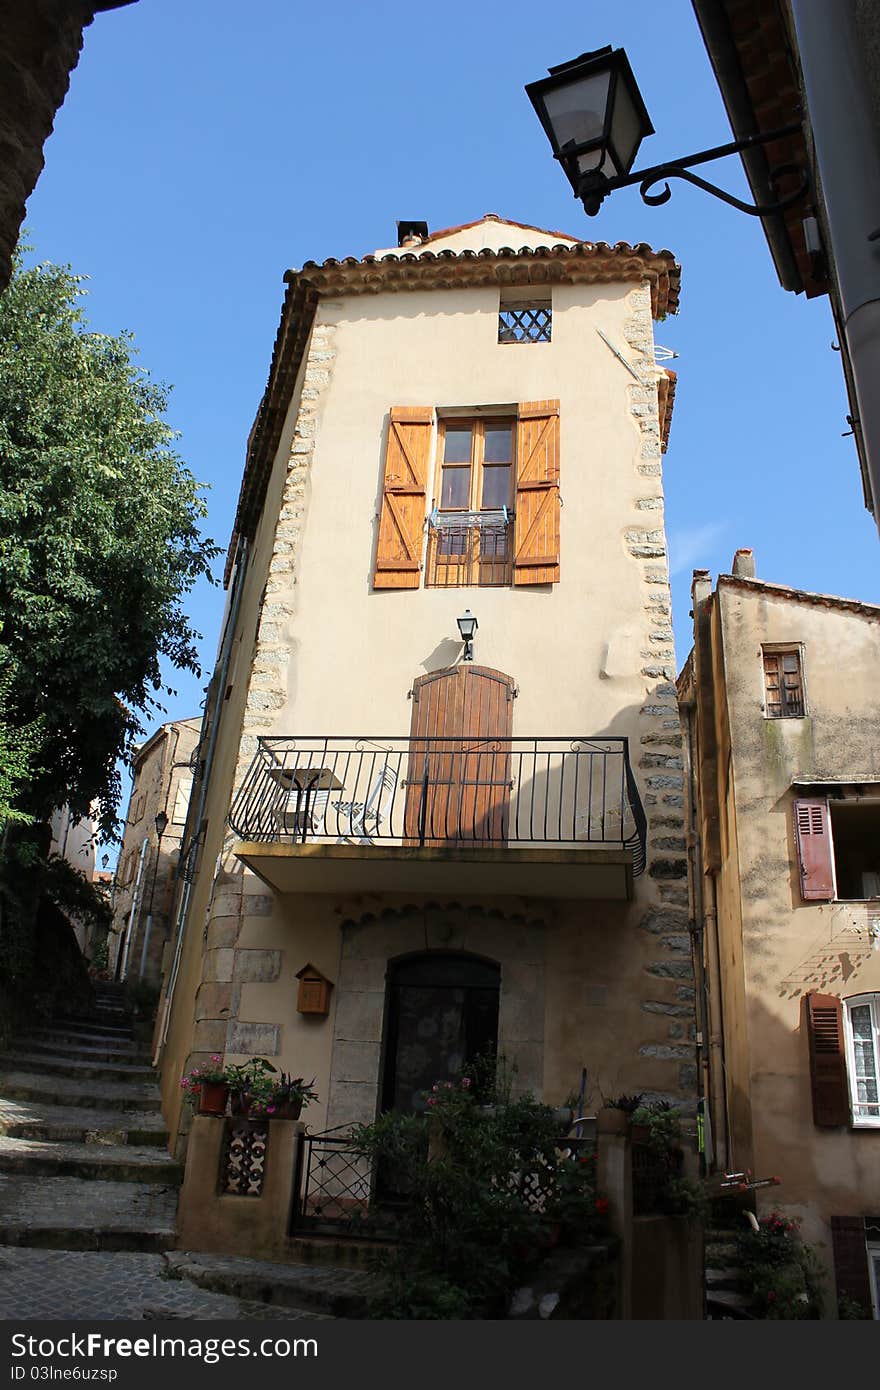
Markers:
<point>862,1027</point>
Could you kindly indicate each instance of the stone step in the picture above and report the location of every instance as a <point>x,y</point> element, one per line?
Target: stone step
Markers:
<point>89,1286</point>
<point>331,1250</point>
<point>70,1124</point>
<point>93,1095</point>
<point>342,1293</point>
<point>85,1023</point>
<point>86,1214</point>
<point>95,1035</point>
<point>108,1162</point>
<point>728,1303</point>
<point>50,1064</point>
<point>725,1278</point>
<point>49,1046</point>
<point>60,1039</point>
<point>720,1252</point>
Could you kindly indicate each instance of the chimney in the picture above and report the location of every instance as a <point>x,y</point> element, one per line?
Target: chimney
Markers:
<point>744,564</point>
<point>411,233</point>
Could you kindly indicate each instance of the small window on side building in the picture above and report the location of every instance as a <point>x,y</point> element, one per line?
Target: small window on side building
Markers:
<point>783,683</point>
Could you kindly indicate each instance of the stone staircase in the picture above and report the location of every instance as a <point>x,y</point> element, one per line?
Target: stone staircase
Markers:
<point>88,1193</point>
<point>83,1157</point>
<point>727,1296</point>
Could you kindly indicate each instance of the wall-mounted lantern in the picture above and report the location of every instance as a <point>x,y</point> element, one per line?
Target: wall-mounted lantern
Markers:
<point>595,119</point>
<point>467,626</point>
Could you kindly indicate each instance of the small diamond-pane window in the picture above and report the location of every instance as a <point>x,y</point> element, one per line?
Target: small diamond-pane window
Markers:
<point>524,321</point>
<point>783,684</point>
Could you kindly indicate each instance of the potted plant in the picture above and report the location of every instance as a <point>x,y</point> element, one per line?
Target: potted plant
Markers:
<point>208,1086</point>
<point>614,1117</point>
<point>243,1078</point>
<point>282,1099</point>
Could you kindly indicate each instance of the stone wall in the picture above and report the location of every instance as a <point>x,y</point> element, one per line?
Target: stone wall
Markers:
<point>40,43</point>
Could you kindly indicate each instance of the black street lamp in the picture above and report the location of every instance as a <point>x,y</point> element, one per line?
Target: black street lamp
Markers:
<point>467,626</point>
<point>595,119</point>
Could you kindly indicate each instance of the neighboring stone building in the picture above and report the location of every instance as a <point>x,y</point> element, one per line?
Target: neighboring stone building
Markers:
<point>76,840</point>
<point>40,43</point>
<point>470,852</point>
<point>815,64</point>
<point>146,871</point>
<point>780,712</point>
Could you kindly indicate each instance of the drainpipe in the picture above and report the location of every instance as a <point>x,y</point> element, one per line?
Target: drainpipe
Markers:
<point>846,149</point>
<point>719,1111</point>
<point>189,841</point>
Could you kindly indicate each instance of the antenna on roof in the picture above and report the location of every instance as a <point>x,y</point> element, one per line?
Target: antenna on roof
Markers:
<point>662,354</point>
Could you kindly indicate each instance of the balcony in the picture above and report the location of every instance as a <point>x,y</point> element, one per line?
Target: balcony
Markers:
<point>550,817</point>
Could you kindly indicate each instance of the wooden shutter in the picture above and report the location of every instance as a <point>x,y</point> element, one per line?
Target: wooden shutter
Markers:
<point>536,533</point>
<point>851,1274</point>
<point>812,825</point>
<point>402,519</point>
<point>827,1060</point>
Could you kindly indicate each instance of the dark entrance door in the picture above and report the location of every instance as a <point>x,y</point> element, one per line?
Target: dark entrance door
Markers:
<point>442,1014</point>
<point>458,782</point>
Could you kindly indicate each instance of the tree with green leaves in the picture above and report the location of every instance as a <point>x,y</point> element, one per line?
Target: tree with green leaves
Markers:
<point>100,543</point>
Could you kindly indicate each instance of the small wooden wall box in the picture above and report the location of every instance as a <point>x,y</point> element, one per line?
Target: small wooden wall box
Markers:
<point>314,991</point>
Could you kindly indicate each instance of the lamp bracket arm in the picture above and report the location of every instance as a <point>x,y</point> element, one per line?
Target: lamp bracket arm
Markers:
<point>673,171</point>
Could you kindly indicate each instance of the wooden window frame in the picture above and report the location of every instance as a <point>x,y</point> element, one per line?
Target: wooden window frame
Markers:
<point>851,1002</point>
<point>471,567</point>
<point>477,465</point>
<point>782,649</point>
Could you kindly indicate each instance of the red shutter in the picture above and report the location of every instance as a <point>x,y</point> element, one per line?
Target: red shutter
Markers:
<point>827,1060</point>
<point>851,1259</point>
<point>812,825</point>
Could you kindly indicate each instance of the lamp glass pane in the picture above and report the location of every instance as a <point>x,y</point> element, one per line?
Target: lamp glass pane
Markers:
<point>577,113</point>
<point>626,128</point>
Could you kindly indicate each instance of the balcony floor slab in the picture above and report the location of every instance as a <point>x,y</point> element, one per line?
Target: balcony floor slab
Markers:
<point>597,872</point>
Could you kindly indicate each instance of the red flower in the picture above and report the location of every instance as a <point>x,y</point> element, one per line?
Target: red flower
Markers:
<point>771,1297</point>
<point>602,1205</point>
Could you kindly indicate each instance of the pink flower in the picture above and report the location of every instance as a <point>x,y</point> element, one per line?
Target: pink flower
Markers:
<point>431,1100</point>
<point>435,1087</point>
<point>465,1081</point>
<point>270,1109</point>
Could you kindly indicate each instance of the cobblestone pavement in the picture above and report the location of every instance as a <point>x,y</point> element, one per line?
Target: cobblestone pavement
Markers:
<point>85,1284</point>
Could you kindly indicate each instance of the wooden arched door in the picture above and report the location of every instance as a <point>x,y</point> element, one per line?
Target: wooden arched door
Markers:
<point>458,782</point>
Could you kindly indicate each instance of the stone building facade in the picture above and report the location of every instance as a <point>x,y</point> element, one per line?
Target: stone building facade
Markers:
<point>325,836</point>
<point>145,874</point>
<point>783,735</point>
<point>40,44</point>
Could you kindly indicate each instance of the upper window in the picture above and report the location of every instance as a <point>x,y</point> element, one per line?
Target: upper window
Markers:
<point>469,534</point>
<point>783,683</point>
<point>483,484</point>
<point>524,320</point>
<point>862,1027</point>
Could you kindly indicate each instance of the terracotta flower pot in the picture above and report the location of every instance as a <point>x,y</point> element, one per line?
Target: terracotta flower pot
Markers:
<point>213,1096</point>
<point>612,1121</point>
<point>288,1110</point>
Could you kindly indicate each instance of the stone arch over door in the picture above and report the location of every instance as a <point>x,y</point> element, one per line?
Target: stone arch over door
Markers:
<point>372,943</point>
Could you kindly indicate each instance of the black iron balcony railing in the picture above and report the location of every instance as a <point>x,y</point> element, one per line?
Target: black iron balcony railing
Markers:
<point>571,792</point>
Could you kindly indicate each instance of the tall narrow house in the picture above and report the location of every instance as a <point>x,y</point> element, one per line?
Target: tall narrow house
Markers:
<point>439,808</point>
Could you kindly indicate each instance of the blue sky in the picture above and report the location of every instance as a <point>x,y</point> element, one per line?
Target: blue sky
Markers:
<point>203,148</point>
